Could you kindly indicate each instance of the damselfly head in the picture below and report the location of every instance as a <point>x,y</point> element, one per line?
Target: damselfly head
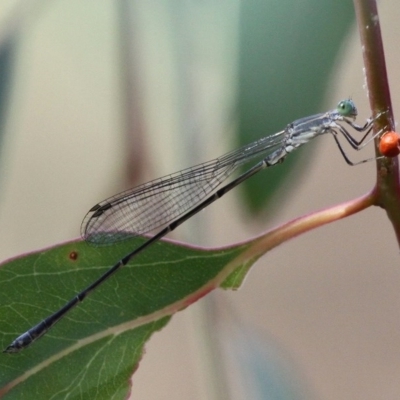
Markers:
<point>347,108</point>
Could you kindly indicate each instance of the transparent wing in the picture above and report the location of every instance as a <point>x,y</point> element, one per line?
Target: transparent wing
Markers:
<point>157,203</point>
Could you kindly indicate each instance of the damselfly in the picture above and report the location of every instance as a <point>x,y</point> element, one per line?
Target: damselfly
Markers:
<point>167,202</point>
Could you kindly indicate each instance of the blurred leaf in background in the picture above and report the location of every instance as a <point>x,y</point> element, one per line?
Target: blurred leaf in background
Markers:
<point>287,52</point>
<point>7,52</point>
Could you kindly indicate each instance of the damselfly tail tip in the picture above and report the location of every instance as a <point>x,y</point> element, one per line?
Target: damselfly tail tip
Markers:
<point>12,348</point>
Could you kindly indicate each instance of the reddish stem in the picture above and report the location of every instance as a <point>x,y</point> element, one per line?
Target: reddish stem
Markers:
<point>387,189</point>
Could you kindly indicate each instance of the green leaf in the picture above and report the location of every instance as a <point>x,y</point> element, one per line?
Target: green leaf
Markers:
<point>287,52</point>
<point>95,349</point>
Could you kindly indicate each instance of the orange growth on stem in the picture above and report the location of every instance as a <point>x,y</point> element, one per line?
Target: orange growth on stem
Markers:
<point>389,145</point>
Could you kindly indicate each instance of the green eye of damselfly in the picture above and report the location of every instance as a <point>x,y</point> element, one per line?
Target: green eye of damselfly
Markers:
<point>347,108</point>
